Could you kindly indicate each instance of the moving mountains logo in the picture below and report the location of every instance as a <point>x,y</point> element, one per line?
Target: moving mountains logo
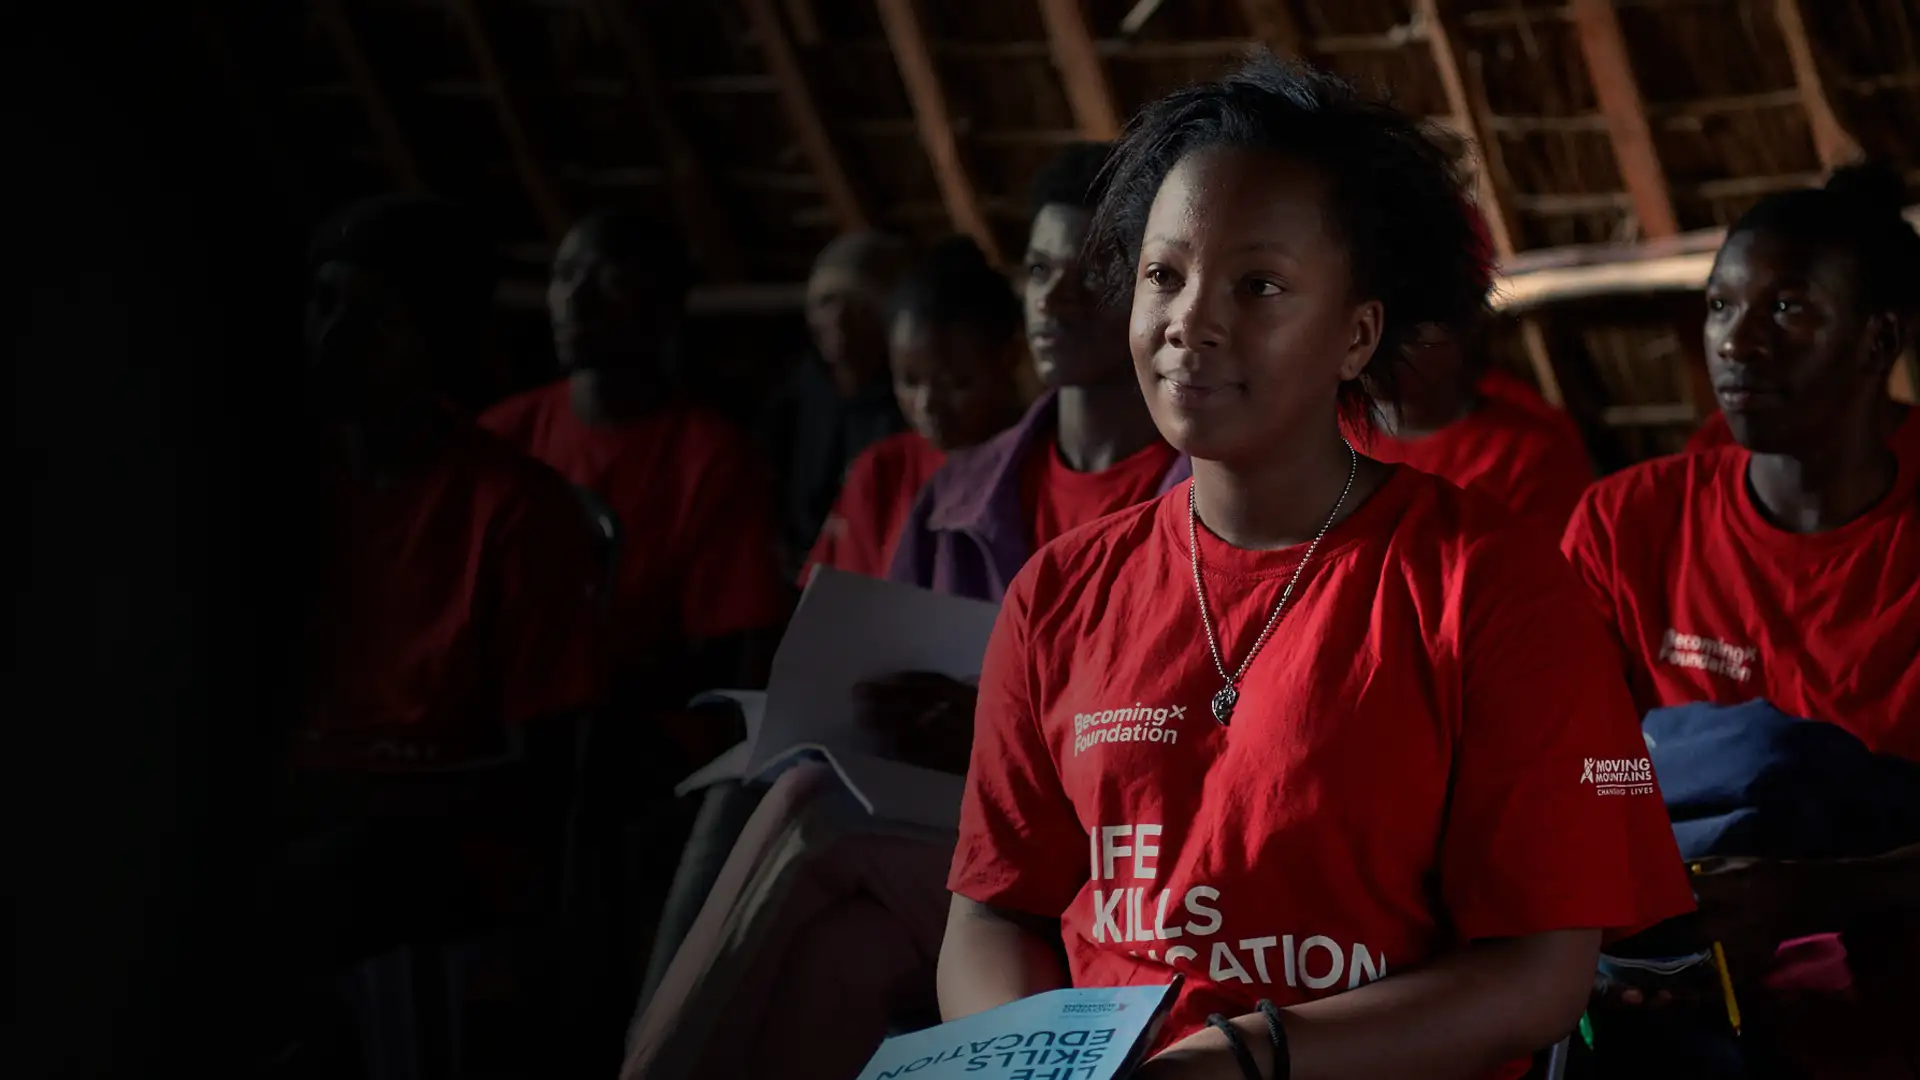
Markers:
<point>1618,776</point>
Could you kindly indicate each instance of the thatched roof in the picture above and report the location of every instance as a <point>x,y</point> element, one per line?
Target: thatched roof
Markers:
<point>767,125</point>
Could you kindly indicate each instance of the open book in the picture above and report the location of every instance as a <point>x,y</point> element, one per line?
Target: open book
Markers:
<point>1091,1033</point>
<point>849,629</point>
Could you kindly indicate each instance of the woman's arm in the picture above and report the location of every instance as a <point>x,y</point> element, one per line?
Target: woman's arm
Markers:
<point>991,956</point>
<point>1489,1003</point>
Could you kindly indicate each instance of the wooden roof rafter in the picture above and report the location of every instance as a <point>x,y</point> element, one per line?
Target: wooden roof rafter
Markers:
<point>1277,25</point>
<point>395,148</point>
<point>803,115</point>
<point>516,128</point>
<point>1830,138</point>
<point>693,192</point>
<point>1469,119</point>
<point>1604,48</point>
<point>907,40</point>
<point>1089,94</point>
<point>1465,99</point>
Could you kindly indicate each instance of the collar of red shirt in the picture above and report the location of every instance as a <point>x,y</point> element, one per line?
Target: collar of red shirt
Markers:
<point>979,489</point>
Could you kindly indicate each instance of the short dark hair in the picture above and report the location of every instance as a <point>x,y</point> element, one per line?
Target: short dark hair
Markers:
<point>1859,211</point>
<point>1393,191</point>
<point>435,253</point>
<point>955,285</point>
<point>1075,177</point>
<point>638,238</point>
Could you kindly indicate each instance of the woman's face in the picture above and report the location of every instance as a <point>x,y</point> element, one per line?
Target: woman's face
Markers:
<point>1244,325</point>
<point>1793,354</point>
<point>953,385</point>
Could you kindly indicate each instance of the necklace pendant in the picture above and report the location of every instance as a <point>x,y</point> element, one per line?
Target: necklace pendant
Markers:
<point>1223,703</point>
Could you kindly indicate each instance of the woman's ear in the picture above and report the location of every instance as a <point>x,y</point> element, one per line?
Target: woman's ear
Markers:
<point>1363,339</point>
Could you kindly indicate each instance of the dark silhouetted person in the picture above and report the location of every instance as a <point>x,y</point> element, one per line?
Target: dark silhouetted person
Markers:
<point>838,400</point>
<point>453,638</point>
<point>697,580</point>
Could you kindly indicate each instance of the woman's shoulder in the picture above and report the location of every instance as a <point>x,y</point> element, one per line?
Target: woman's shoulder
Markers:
<point>1446,533</point>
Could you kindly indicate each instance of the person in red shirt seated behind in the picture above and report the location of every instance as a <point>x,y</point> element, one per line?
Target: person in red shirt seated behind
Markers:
<point>953,345</point>
<point>1499,383</point>
<point>1281,730</point>
<point>1783,566</point>
<point>454,628</point>
<point>1444,424</point>
<point>697,590</point>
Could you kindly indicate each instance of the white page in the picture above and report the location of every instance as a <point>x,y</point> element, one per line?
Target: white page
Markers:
<point>850,629</point>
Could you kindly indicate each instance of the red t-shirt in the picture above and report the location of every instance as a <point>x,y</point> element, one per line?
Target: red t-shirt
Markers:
<point>1713,434</point>
<point>694,502</point>
<point>1404,769</point>
<point>1512,389</point>
<point>1710,602</point>
<point>1055,498</point>
<point>456,604</point>
<point>860,534</point>
<point>1527,462</point>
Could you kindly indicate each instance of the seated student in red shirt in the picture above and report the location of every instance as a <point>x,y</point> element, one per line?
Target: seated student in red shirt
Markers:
<point>1783,567</point>
<point>953,345</point>
<point>1086,448</point>
<point>697,586</point>
<point>454,629</point>
<point>1328,758</point>
<point>1442,423</point>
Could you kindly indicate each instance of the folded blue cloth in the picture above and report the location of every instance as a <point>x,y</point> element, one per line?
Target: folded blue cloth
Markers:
<point>1750,780</point>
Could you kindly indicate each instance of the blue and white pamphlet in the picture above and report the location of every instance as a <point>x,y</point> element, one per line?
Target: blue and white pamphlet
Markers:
<point>1089,1033</point>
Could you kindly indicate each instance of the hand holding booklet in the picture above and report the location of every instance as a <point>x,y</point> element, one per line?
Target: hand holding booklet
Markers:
<point>1084,1033</point>
<point>849,629</point>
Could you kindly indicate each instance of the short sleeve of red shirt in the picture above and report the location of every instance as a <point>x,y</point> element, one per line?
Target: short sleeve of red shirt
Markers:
<point>546,649</point>
<point>1554,819</point>
<point>733,581</point>
<point>1014,804</point>
<point>1547,489</point>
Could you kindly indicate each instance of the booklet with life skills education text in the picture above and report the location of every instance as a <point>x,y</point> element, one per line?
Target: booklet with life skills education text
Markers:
<point>849,629</point>
<point>1085,1033</point>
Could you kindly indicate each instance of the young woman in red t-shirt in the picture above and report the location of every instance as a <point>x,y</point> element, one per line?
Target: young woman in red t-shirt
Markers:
<point>953,343</point>
<point>1309,730</point>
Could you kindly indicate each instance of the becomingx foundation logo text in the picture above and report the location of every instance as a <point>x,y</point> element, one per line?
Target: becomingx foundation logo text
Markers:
<point>1708,654</point>
<point>1136,723</point>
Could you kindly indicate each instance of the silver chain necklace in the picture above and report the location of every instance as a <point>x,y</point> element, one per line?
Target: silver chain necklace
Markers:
<point>1229,695</point>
